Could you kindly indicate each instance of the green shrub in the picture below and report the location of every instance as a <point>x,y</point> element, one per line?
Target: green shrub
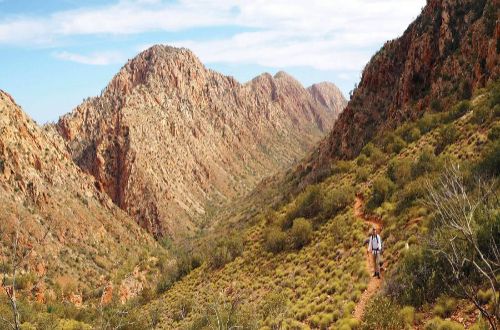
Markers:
<point>377,157</point>
<point>419,278</point>
<point>428,122</point>
<point>458,110</point>
<point>182,308</point>
<point>368,149</point>
<point>484,297</point>
<point>425,163</point>
<point>490,162</point>
<point>480,325</point>
<point>301,232</point>
<point>439,324</point>
<point>381,191</point>
<point>275,240</point>
<point>412,192</point>
<point>399,171</point>
<point>447,135</point>
<point>307,205</point>
<point>393,143</point>
<point>383,313</point>
<point>362,174</point>
<point>407,314</point>
<point>336,200</point>
<point>481,115</point>
<point>360,161</point>
<point>412,135</point>
<point>436,105</point>
<point>494,98</point>
<point>187,260</point>
<point>273,305</point>
<point>225,250</point>
<point>494,133</point>
<point>445,306</point>
<point>341,166</point>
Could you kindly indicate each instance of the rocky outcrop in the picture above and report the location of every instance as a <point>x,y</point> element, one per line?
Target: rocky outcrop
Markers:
<point>329,95</point>
<point>450,50</point>
<point>72,228</point>
<point>169,140</point>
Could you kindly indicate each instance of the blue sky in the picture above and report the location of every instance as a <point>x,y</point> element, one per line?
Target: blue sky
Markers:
<point>55,53</point>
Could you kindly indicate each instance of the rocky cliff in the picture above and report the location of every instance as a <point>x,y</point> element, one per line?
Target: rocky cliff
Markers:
<point>447,53</point>
<point>169,140</point>
<point>79,237</point>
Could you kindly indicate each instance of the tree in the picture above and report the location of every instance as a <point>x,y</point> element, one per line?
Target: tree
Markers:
<point>467,236</point>
<point>15,256</point>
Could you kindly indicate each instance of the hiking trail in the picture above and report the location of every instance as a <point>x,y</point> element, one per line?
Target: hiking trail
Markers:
<point>374,283</point>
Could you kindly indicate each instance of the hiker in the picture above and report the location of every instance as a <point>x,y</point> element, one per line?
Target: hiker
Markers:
<point>375,247</point>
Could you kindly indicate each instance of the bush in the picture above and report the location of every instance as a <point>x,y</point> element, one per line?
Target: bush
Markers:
<point>182,308</point>
<point>273,305</point>
<point>490,163</point>
<point>399,171</point>
<point>224,251</point>
<point>362,174</point>
<point>383,313</point>
<point>412,192</point>
<point>494,133</point>
<point>301,232</point>
<point>458,111</point>
<point>393,143</point>
<point>425,163</point>
<point>381,191</point>
<point>341,166</point>
<point>336,200</point>
<point>275,240</point>
<point>307,205</point>
<point>377,157</point>
<point>407,314</point>
<point>436,105</point>
<point>427,123</point>
<point>415,281</point>
<point>361,160</point>
<point>439,324</point>
<point>447,135</point>
<point>484,297</point>
<point>445,306</point>
<point>412,135</point>
<point>481,115</point>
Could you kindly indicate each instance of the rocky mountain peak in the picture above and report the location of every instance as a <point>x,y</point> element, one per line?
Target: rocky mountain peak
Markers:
<point>166,66</point>
<point>169,137</point>
<point>329,95</point>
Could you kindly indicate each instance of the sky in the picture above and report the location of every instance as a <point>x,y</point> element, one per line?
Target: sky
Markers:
<point>56,53</point>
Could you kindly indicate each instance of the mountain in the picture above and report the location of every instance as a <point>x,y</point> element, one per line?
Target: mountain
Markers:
<point>169,140</point>
<point>449,51</point>
<point>80,239</point>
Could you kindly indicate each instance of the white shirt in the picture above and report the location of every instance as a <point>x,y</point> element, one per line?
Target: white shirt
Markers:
<point>375,243</point>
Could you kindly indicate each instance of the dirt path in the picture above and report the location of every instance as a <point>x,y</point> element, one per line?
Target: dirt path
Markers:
<point>374,283</point>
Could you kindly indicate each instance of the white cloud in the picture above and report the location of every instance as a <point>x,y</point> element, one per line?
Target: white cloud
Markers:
<point>97,58</point>
<point>324,34</point>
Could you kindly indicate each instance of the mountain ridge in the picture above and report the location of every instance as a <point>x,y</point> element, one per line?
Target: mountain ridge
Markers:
<point>424,67</point>
<point>214,137</point>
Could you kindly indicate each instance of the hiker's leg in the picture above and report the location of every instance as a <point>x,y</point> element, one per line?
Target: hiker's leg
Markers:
<point>377,262</point>
<point>374,260</point>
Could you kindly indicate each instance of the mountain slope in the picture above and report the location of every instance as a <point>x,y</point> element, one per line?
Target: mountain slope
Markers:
<point>88,238</point>
<point>169,140</point>
<point>449,51</point>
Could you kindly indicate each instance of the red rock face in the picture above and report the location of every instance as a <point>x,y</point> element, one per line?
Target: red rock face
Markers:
<point>168,139</point>
<point>450,50</point>
<point>72,228</point>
